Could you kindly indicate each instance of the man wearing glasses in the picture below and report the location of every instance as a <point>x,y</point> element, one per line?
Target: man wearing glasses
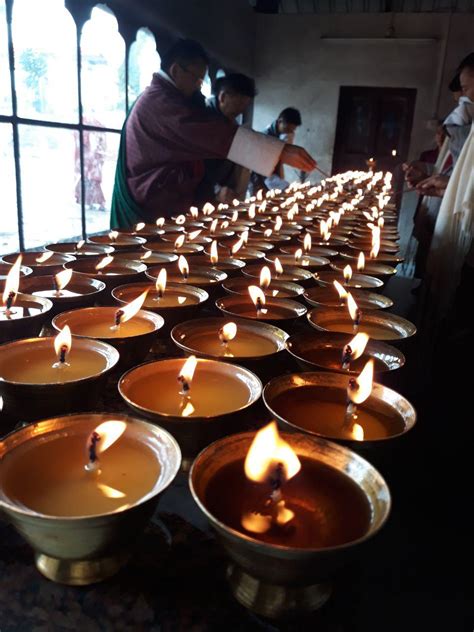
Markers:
<point>166,138</point>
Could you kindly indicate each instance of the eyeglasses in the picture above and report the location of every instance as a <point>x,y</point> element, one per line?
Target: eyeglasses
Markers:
<point>199,79</point>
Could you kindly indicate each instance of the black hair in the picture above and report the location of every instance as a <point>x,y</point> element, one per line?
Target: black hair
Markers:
<point>290,115</point>
<point>236,83</point>
<point>455,84</point>
<point>183,52</point>
<point>467,62</point>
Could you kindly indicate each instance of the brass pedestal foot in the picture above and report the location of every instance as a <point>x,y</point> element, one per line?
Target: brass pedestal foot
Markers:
<point>274,601</point>
<point>80,572</point>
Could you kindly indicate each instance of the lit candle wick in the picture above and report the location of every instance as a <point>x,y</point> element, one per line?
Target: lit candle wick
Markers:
<point>351,411</point>
<point>358,316</point>
<point>93,465</point>
<point>57,290</point>
<point>346,356</point>
<point>9,303</point>
<point>185,386</point>
<point>118,318</point>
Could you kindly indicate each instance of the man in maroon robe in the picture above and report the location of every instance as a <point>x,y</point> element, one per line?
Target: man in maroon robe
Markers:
<point>166,138</point>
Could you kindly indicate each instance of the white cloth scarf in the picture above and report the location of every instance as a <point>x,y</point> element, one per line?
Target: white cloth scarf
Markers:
<point>454,231</point>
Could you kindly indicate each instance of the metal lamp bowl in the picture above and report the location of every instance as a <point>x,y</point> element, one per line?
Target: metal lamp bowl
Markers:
<point>372,268</point>
<point>188,248</point>
<point>293,274</point>
<point>286,289</point>
<point>123,242</point>
<point>381,396</point>
<point>38,309</point>
<point>382,257</point>
<point>155,258</point>
<point>277,581</point>
<point>237,305</point>
<point>338,320</point>
<point>357,281</point>
<point>83,550</point>
<point>6,267</point>
<point>300,347</point>
<point>87,250</point>
<point>317,251</point>
<point>27,401</point>
<point>327,296</point>
<point>230,265</point>
<point>192,433</point>
<point>132,349</point>
<point>307,262</point>
<point>213,277</point>
<point>53,265</point>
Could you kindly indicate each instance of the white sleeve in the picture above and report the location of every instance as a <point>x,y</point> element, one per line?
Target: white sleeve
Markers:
<point>255,151</point>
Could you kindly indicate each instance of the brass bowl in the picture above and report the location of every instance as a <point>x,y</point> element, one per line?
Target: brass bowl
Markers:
<point>244,254</point>
<point>293,274</point>
<point>231,266</point>
<point>152,259</point>
<point>306,262</point>
<point>316,351</point>
<point>83,550</point>
<point>257,244</point>
<point>372,268</point>
<point>88,291</point>
<point>123,242</point>
<point>36,310</point>
<point>358,281</point>
<point>27,401</point>
<point>379,325</point>
<point>53,265</point>
<point>327,296</point>
<point>119,271</point>
<point>204,277</point>
<point>282,313</point>
<point>132,349</point>
<point>276,581</point>
<point>285,289</point>
<point>190,336</point>
<point>382,257</point>
<point>365,245</point>
<point>87,250</point>
<point>317,251</point>
<point>333,387</point>
<point>174,314</point>
<point>6,267</point>
<point>202,239</point>
<point>192,433</point>
<point>163,247</point>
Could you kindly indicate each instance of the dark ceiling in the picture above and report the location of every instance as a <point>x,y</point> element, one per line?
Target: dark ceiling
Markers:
<point>362,6</point>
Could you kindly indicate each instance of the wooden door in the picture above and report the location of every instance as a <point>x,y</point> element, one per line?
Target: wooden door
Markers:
<point>373,123</point>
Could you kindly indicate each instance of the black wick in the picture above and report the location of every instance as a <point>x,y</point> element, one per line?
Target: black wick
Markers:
<point>95,438</point>
<point>118,317</point>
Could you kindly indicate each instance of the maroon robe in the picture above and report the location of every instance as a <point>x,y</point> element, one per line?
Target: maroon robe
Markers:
<point>167,139</point>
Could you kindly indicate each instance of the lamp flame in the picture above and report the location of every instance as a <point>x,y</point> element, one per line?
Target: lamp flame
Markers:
<point>361,261</point>
<point>193,235</point>
<point>353,308</point>
<point>357,432</point>
<point>208,208</point>
<point>179,242</point>
<point>160,222</point>
<point>359,388</point>
<point>183,266</point>
<point>214,254</point>
<point>298,254</point>
<point>235,216</point>
<point>186,374</point>
<point>113,235</point>
<point>145,256</point>
<point>129,311</point>
<point>258,298</point>
<point>268,233</point>
<point>278,223</point>
<point>44,257</point>
<point>140,226</point>
<point>62,343</point>
<point>237,246</point>
<point>61,279</point>
<point>194,211</point>
<point>187,410</point>
<point>213,227</point>
<point>108,432</point>
<point>252,210</point>
<point>160,284</point>
<point>265,277</point>
<point>180,220</point>
<point>278,266</point>
<point>12,282</point>
<point>228,332</point>
<point>269,452</point>
<point>347,272</point>
<point>104,262</point>
<point>307,242</point>
<point>358,345</point>
<point>80,244</point>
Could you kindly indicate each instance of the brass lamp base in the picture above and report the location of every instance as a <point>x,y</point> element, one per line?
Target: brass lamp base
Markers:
<point>274,601</point>
<point>80,572</point>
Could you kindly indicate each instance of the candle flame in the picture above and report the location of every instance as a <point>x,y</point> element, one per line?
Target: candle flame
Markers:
<point>298,254</point>
<point>179,242</point>
<point>235,202</point>
<point>278,223</point>
<point>80,244</point>
<point>160,222</point>
<point>214,254</point>
<point>267,452</point>
<point>358,344</point>
<point>146,256</point>
<point>228,332</point>
<point>44,257</point>
<point>63,278</point>
<point>213,227</point>
<point>12,282</point>
<point>208,208</point>
<point>104,262</point>
<point>63,340</point>
<point>258,298</point>
<point>193,235</point>
<point>359,388</point>
<point>194,211</point>
<point>357,432</point>
<point>278,266</point>
<point>375,242</point>
<point>109,432</point>
<point>187,410</point>
<point>224,225</point>
<point>129,311</point>
<point>307,242</point>
<point>183,266</point>
<point>237,246</point>
<point>267,233</point>
<point>235,216</point>
<point>187,371</point>
<point>180,220</point>
<point>110,492</point>
<point>265,277</point>
<point>352,307</point>
<point>394,152</point>
<point>140,226</point>
<point>160,284</point>
<point>113,235</point>
<point>361,261</point>
<point>347,272</point>
<point>380,222</point>
<point>252,210</point>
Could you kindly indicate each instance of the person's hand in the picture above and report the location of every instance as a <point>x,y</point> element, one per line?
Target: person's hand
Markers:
<point>226,195</point>
<point>434,186</point>
<point>297,157</point>
<point>414,173</point>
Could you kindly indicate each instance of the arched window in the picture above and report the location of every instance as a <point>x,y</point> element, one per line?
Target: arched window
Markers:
<point>143,61</point>
<point>206,87</point>
<point>45,60</point>
<point>5,86</point>
<point>102,70</point>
